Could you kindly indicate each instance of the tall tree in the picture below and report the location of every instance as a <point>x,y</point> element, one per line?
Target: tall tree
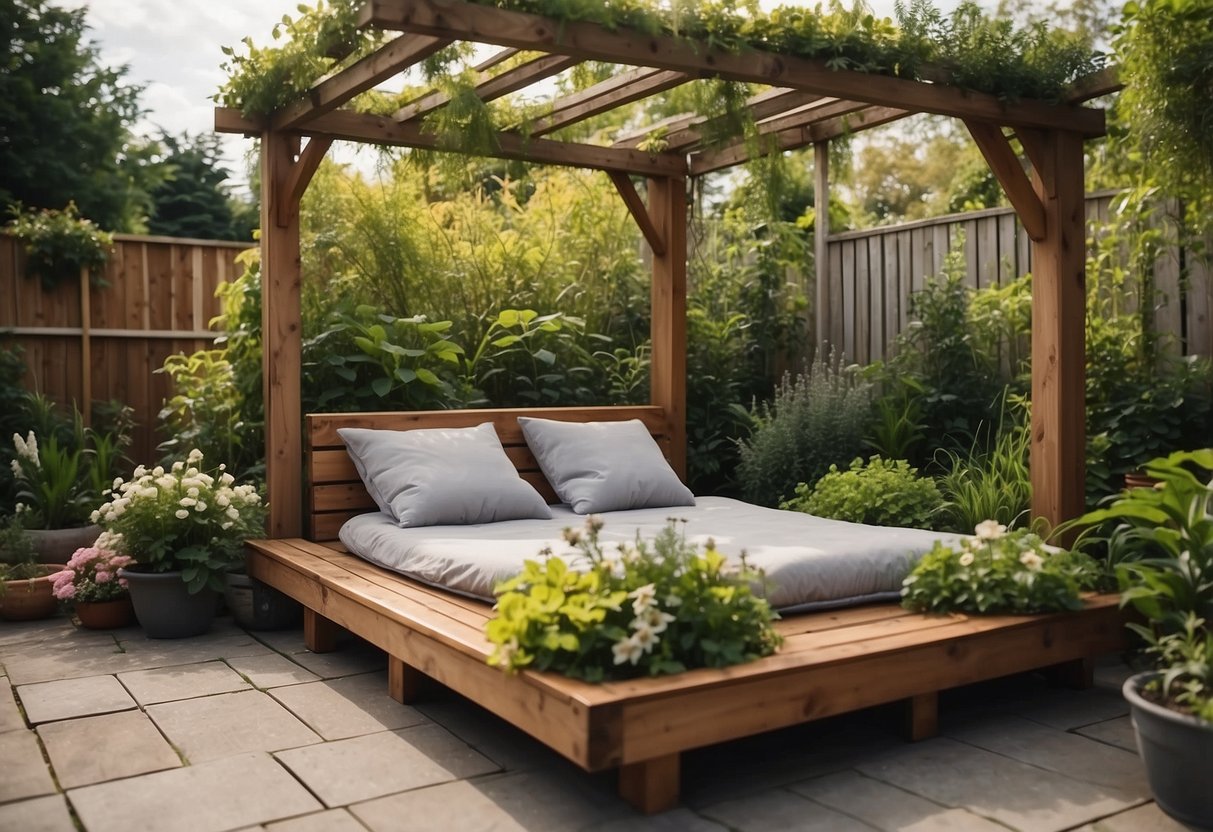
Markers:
<point>190,200</point>
<point>65,119</point>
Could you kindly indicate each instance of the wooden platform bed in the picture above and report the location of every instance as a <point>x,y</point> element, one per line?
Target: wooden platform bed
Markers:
<point>831,662</point>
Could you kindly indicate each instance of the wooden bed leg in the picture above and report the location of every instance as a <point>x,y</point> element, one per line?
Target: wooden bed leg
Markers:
<point>651,786</point>
<point>406,684</point>
<point>922,716</point>
<point>1077,674</point>
<point>319,633</point>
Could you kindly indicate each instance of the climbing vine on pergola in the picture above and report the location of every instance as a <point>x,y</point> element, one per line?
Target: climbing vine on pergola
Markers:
<point>803,101</point>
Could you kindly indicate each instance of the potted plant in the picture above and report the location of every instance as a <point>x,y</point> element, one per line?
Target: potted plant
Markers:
<point>1160,541</point>
<point>183,527</point>
<point>92,583</point>
<point>26,590</point>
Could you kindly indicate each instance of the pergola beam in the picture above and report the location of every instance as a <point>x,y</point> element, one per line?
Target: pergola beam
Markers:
<point>589,41</point>
<point>491,87</point>
<point>361,127</point>
<point>329,94</point>
<point>630,86</point>
<point>761,106</point>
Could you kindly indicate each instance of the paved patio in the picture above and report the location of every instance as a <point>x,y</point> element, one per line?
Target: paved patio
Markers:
<point>237,730</point>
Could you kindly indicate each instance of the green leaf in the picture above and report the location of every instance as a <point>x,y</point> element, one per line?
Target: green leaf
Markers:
<point>381,386</point>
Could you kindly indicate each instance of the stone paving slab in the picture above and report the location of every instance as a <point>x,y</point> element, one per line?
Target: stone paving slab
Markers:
<point>510,748</point>
<point>530,801</point>
<point>1015,794</point>
<point>362,768</point>
<point>224,644</point>
<point>359,657</point>
<point>334,820</point>
<point>887,807</point>
<point>227,724</point>
<point>1070,709</point>
<point>1148,818</point>
<point>675,820</point>
<point>100,748</point>
<point>10,715</point>
<point>88,696</point>
<point>42,814</point>
<point>1118,732</point>
<point>779,809</point>
<point>348,707</point>
<point>187,681</point>
<point>35,664</point>
<point>23,772</point>
<point>1068,754</point>
<point>235,792</point>
<point>271,671</point>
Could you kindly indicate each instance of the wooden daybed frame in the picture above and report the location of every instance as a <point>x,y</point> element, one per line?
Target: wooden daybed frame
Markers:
<point>831,662</point>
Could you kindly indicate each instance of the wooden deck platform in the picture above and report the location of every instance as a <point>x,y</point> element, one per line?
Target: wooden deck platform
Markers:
<point>831,662</point>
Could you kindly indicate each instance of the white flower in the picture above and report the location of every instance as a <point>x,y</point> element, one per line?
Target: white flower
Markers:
<point>20,508</point>
<point>222,500</point>
<point>192,491</point>
<point>643,598</point>
<point>627,650</point>
<point>654,620</point>
<point>644,637</point>
<point>1031,560</point>
<point>232,513</point>
<point>158,471</point>
<point>181,514</point>
<point>672,600</point>
<point>200,507</point>
<point>140,471</point>
<point>186,502</point>
<point>966,559</point>
<point>27,448</point>
<point>990,530</point>
<point>17,472</point>
<point>178,467</point>
<point>195,456</point>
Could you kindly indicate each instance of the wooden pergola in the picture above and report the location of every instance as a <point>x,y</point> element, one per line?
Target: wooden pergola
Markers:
<point>805,103</point>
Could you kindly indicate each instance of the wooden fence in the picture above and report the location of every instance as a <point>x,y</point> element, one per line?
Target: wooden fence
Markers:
<point>87,343</point>
<point>873,273</point>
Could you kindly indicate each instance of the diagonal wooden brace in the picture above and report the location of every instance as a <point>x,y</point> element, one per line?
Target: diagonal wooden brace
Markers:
<point>623,183</point>
<point>301,174</point>
<point>1006,166</point>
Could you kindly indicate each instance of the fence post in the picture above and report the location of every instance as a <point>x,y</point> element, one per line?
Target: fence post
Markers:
<point>86,348</point>
<point>821,233</point>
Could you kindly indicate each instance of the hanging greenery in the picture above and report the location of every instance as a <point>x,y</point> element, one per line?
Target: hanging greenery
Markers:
<point>58,244</point>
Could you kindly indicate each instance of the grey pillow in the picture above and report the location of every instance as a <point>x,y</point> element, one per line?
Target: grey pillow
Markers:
<point>442,476</point>
<point>604,466</point>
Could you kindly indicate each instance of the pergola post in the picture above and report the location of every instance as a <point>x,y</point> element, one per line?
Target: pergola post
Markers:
<point>1058,429</point>
<point>668,368</point>
<point>281,335</point>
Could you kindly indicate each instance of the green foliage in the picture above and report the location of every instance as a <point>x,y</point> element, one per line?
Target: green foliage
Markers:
<point>16,548</point>
<point>182,518</point>
<point>1186,661</point>
<point>60,244</point>
<point>1160,540</point>
<point>880,492</point>
<point>897,429</point>
<point>66,119</point>
<point>992,483</point>
<point>816,419</point>
<point>14,416</point>
<point>999,572</point>
<point>1165,50</point>
<point>659,607</point>
<point>190,200</point>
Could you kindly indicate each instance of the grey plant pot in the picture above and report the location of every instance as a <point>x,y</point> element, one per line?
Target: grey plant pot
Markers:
<point>1176,749</point>
<point>58,545</point>
<point>165,608</point>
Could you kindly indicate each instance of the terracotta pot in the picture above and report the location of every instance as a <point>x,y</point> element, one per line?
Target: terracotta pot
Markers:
<point>29,599</point>
<point>164,606</point>
<point>1140,479</point>
<point>58,545</point>
<point>105,615</point>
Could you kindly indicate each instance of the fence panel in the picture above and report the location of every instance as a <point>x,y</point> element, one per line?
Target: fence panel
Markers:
<point>87,343</point>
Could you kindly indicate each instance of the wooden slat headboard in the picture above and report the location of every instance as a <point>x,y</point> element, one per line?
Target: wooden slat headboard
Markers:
<point>335,492</point>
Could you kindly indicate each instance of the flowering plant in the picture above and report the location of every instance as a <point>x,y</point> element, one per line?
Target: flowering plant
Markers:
<point>92,575</point>
<point>53,491</point>
<point>182,518</point>
<point>999,571</point>
<point>653,609</point>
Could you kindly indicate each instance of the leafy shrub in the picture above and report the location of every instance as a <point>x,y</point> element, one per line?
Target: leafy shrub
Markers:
<point>1186,661</point>
<point>659,608</point>
<point>59,244</point>
<point>879,492</point>
<point>994,484</point>
<point>817,419</point>
<point>997,571</point>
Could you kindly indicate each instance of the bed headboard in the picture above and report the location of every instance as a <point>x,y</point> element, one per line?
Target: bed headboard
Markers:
<point>335,493</point>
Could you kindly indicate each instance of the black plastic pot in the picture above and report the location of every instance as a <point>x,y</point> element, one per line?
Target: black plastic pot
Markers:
<point>1176,749</point>
<point>164,606</point>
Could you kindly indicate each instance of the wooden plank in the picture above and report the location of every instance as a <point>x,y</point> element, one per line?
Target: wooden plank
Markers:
<point>903,277</point>
<point>972,260</point>
<point>1058,429</point>
<point>1015,183</point>
<point>319,633</point>
<point>282,337</point>
<point>922,716</point>
<point>876,312</point>
<point>1008,252</point>
<point>1167,302</point>
<point>301,174</point>
<point>491,87</point>
<point>863,304</point>
<point>835,330</point>
<point>364,127</point>
<point>790,125</point>
<point>761,106</point>
<point>588,41</point>
<point>846,274</point>
<point>1200,307</point>
<point>651,786</point>
<point>821,241</point>
<point>668,330</point>
<point>330,93</point>
<point>599,98</point>
<point>893,301</point>
<point>639,212</point>
<point>920,254</point>
<point>987,252</point>
<point>322,427</point>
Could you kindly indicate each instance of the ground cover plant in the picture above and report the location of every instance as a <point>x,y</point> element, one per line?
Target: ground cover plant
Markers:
<point>879,492</point>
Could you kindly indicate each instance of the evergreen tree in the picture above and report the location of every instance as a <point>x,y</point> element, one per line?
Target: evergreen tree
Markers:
<point>190,200</point>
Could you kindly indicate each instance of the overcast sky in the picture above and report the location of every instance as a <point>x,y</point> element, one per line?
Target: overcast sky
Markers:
<point>173,49</point>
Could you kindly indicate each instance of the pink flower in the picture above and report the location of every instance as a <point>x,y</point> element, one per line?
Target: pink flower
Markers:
<point>124,583</point>
<point>65,591</point>
<point>102,577</point>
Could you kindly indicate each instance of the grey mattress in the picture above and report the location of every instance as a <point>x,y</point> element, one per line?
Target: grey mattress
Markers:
<point>810,562</point>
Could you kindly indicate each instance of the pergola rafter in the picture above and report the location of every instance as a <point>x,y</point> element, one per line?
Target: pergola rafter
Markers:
<point>803,103</point>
